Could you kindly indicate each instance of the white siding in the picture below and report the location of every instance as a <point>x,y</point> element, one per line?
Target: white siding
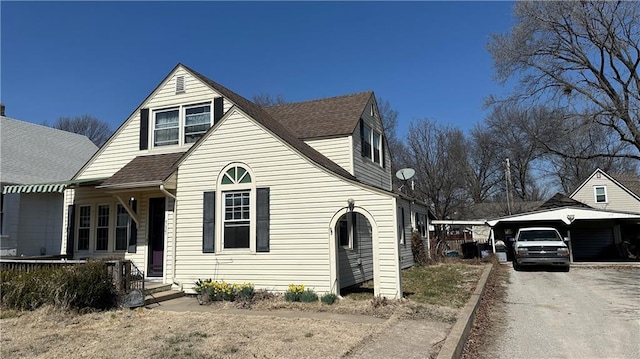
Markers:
<point>617,198</point>
<point>303,199</point>
<point>364,168</point>
<point>336,149</point>
<point>125,144</point>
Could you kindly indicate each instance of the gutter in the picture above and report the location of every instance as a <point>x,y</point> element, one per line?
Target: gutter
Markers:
<point>174,239</point>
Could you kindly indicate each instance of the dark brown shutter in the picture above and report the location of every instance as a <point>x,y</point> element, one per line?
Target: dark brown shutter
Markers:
<point>218,109</point>
<point>384,158</point>
<point>71,229</point>
<point>133,229</point>
<point>362,143</point>
<point>209,222</point>
<point>262,224</point>
<point>144,128</point>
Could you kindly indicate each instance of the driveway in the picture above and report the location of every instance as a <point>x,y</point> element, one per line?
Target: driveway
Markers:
<point>586,313</point>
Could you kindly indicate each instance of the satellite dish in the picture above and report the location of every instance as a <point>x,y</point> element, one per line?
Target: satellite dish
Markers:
<point>405,173</point>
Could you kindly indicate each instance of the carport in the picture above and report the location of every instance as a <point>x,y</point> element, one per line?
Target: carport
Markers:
<point>595,235</point>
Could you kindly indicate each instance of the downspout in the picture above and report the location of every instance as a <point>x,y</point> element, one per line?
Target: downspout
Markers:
<point>174,240</point>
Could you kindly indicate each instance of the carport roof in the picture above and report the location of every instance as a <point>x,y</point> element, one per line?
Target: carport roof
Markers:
<point>565,214</point>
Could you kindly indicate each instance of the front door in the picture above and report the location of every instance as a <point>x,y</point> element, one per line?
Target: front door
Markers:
<point>156,237</point>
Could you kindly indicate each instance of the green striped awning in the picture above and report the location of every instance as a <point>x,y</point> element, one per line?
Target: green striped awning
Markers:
<point>35,188</point>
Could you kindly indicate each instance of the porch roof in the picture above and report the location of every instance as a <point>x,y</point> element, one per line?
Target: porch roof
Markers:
<point>144,171</point>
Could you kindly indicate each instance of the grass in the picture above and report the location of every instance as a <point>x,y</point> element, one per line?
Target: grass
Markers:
<point>444,284</point>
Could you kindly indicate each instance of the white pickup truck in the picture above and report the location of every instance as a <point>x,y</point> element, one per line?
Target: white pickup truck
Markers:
<point>540,246</point>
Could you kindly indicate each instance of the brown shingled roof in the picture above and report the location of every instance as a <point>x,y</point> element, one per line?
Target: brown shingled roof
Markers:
<point>630,181</point>
<point>559,200</point>
<point>145,169</point>
<point>261,116</point>
<point>322,118</point>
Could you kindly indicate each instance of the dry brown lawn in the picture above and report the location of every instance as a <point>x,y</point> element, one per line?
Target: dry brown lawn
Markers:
<point>221,331</point>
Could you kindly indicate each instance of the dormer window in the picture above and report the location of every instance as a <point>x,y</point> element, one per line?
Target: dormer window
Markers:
<point>371,144</point>
<point>180,125</point>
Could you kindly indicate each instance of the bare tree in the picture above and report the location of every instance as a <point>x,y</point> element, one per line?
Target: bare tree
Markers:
<point>515,132</point>
<point>485,174</point>
<point>579,55</point>
<point>96,130</point>
<point>265,99</point>
<point>437,154</point>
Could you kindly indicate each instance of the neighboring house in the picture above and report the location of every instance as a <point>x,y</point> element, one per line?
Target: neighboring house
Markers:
<point>201,183</point>
<point>620,192</point>
<point>30,154</point>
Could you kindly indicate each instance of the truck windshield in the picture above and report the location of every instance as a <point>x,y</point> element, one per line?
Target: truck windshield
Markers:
<point>542,235</point>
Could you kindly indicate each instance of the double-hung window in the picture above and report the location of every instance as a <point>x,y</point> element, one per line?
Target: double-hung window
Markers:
<point>102,228</point>
<point>372,144</point>
<point>181,125</point>
<point>84,228</point>
<point>237,219</point>
<point>122,228</point>
<point>600,193</point>
<point>197,121</point>
<point>166,128</point>
<point>237,202</point>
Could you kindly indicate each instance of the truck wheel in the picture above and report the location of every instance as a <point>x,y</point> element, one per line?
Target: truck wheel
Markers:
<point>516,267</point>
<point>566,269</point>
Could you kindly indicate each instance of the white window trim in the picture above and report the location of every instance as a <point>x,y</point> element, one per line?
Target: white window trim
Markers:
<point>77,229</point>
<point>110,233</point>
<point>595,194</point>
<point>220,206</point>
<point>182,111</point>
<point>115,229</point>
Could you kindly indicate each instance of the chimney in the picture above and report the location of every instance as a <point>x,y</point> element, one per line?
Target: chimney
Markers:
<point>1,109</point>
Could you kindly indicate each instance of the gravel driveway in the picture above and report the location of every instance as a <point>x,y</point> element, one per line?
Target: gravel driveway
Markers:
<point>586,313</point>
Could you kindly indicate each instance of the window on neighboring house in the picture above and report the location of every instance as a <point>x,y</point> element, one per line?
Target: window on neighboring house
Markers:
<point>421,224</point>
<point>237,208</point>
<point>167,128</point>
<point>601,194</point>
<point>84,228</point>
<point>102,228</point>
<point>186,122</point>
<point>122,228</point>
<point>197,122</point>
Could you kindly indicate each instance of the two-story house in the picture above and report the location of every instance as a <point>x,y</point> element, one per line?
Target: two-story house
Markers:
<point>201,183</point>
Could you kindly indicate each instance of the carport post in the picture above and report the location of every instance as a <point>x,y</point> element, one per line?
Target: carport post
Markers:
<point>493,241</point>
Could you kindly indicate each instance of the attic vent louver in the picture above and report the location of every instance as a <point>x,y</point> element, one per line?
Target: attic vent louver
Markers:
<point>179,84</point>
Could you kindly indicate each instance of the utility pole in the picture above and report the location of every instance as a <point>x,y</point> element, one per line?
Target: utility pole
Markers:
<point>509,185</point>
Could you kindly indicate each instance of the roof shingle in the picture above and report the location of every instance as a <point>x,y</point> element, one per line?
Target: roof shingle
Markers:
<point>145,169</point>
<point>328,117</point>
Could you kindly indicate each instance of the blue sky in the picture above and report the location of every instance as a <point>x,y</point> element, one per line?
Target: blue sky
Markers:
<point>428,59</point>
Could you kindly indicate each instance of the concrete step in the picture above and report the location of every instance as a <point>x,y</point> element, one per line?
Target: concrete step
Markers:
<point>158,297</point>
<point>155,287</point>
